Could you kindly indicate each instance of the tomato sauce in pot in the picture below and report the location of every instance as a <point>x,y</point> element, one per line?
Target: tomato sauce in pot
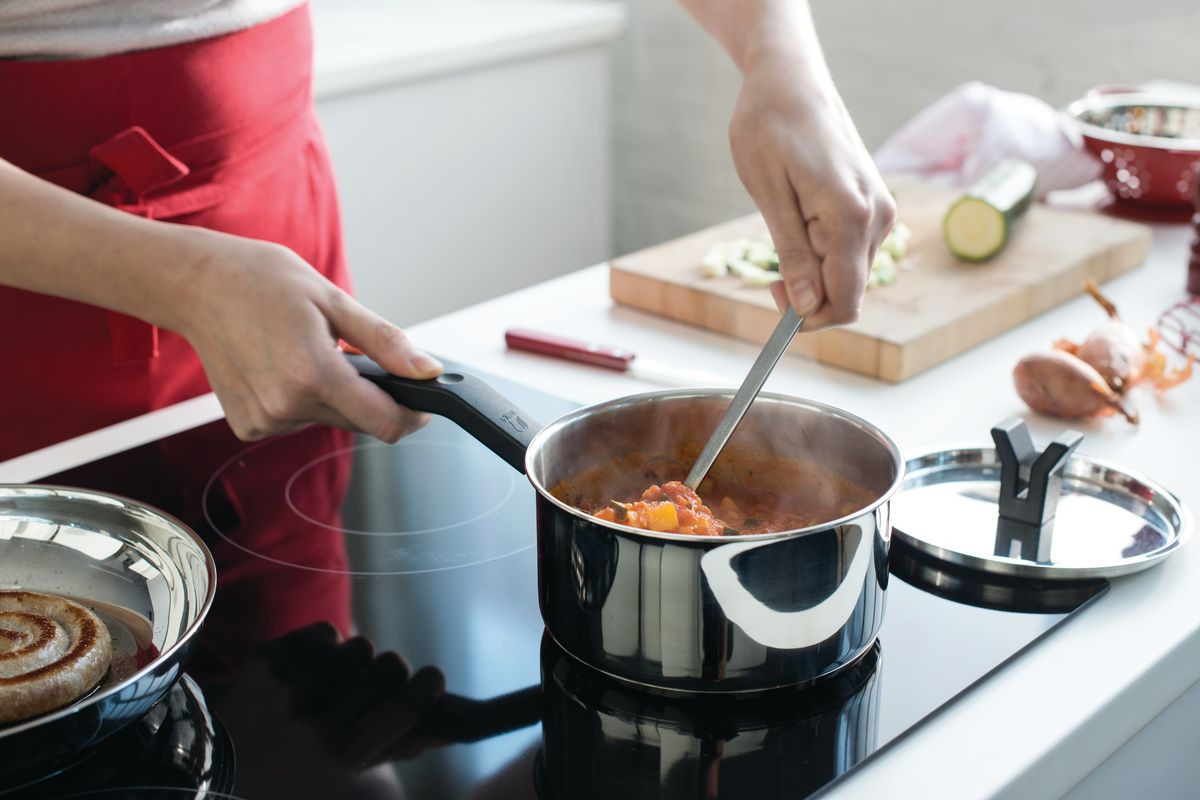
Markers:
<point>746,492</point>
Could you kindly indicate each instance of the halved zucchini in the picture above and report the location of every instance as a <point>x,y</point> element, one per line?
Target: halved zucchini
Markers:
<point>977,225</point>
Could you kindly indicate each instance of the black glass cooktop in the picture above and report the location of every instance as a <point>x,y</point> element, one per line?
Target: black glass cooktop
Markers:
<point>376,634</point>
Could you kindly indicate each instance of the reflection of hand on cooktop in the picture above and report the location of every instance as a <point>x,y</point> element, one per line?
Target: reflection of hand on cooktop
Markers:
<point>320,712</point>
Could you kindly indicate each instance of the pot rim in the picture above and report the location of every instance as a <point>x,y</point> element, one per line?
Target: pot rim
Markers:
<point>547,434</point>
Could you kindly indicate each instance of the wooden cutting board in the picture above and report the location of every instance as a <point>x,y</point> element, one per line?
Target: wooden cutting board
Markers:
<point>937,308</point>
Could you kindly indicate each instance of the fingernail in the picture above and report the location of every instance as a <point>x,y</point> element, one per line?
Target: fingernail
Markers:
<point>423,362</point>
<point>803,296</point>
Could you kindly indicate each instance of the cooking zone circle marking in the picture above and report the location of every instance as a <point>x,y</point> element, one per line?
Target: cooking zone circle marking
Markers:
<point>455,544</point>
<point>509,488</point>
<point>154,791</point>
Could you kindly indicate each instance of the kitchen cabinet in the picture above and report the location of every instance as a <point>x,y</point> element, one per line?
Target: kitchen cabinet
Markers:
<point>470,142</point>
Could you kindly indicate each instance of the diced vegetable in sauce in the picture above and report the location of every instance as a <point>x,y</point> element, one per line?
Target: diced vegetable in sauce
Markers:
<point>670,508</point>
<point>747,493</point>
<point>674,508</point>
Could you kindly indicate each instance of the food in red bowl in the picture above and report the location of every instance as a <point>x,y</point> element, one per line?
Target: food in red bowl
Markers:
<point>1148,143</point>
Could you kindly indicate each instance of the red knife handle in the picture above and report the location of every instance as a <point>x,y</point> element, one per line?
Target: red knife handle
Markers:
<point>571,349</point>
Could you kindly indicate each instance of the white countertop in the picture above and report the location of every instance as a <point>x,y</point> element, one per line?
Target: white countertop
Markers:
<point>1043,721</point>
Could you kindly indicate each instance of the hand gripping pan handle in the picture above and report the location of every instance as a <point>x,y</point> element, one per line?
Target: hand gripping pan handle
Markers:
<point>465,400</point>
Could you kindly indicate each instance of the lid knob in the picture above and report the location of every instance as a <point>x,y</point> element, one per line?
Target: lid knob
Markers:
<point>1030,485</point>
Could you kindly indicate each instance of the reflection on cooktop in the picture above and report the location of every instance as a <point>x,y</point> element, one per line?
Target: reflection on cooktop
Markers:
<point>151,793</point>
<point>603,739</point>
<point>376,633</point>
<point>412,504</point>
<point>175,750</point>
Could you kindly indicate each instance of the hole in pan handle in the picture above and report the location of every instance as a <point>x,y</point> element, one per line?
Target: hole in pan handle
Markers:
<point>465,400</point>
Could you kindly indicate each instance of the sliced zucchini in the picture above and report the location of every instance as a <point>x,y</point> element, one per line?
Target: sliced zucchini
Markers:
<point>883,269</point>
<point>752,275</point>
<point>978,225</point>
<point>896,243</point>
<point>713,264</point>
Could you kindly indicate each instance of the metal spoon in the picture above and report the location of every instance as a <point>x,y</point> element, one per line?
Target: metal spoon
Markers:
<point>781,337</point>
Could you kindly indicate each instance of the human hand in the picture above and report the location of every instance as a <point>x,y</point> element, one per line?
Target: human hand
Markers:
<point>266,327</point>
<point>801,159</point>
<point>367,706</point>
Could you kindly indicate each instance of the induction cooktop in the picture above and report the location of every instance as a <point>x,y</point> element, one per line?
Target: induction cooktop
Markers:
<point>376,634</point>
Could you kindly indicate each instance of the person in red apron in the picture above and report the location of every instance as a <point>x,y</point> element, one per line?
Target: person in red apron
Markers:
<point>107,311</point>
<point>168,224</point>
<point>201,114</point>
<point>216,232</point>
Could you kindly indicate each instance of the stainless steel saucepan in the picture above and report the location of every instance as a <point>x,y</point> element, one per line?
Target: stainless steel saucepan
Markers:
<point>681,612</point>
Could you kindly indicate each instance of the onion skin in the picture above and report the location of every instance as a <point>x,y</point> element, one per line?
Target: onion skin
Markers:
<point>1115,352</point>
<point>1077,381</point>
<point>1059,384</point>
<point>1123,361</point>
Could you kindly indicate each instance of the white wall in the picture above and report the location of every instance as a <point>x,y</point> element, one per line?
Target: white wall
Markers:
<point>471,143</point>
<point>674,89</point>
<point>466,186</point>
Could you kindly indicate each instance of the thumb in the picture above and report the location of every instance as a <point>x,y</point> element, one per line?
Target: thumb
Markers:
<point>799,266</point>
<point>383,342</point>
<point>800,270</point>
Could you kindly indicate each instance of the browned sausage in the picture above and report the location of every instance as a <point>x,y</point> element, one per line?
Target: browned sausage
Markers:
<point>52,651</point>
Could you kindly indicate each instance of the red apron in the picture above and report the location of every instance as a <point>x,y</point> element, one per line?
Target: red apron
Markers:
<point>219,133</point>
<point>222,134</point>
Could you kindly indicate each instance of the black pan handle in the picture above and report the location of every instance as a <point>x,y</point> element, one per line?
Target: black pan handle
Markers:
<point>465,400</point>
<point>460,719</point>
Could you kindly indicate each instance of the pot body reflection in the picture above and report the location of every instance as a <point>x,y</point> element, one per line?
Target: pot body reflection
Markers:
<point>715,614</point>
<point>603,738</point>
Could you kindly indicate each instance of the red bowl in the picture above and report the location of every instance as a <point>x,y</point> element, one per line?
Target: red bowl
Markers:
<point>1148,143</point>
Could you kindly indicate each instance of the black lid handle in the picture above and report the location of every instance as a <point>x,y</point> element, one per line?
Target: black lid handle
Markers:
<point>1030,485</point>
<point>1030,482</point>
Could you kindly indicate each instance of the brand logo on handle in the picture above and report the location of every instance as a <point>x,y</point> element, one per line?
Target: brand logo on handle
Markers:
<point>515,421</point>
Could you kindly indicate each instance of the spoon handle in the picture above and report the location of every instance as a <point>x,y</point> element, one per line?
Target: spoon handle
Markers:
<point>772,351</point>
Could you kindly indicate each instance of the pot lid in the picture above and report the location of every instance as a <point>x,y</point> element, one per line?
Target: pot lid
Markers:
<point>1052,515</point>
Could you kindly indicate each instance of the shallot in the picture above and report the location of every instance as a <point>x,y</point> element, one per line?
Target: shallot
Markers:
<point>1120,358</point>
<point>1060,384</point>
<point>1091,379</point>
